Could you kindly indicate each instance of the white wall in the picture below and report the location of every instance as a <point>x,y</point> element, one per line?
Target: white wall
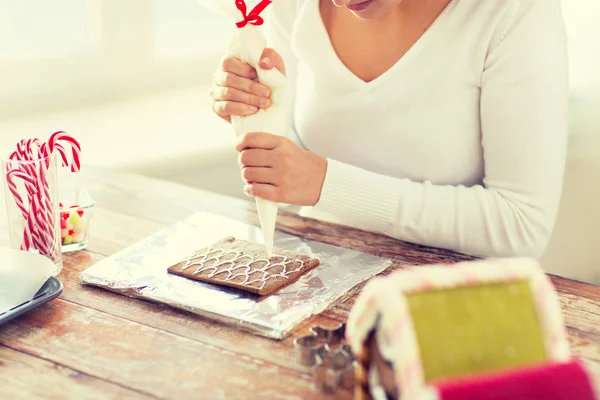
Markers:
<point>573,248</point>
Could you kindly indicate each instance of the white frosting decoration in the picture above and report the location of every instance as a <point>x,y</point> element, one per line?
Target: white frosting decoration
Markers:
<point>236,264</point>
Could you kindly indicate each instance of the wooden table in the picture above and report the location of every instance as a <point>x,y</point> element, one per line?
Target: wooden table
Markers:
<point>94,344</point>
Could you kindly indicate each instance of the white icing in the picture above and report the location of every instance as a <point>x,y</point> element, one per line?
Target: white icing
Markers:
<point>267,214</point>
<point>236,264</point>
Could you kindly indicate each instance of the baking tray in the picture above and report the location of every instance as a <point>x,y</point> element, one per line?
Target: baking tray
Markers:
<point>51,289</point>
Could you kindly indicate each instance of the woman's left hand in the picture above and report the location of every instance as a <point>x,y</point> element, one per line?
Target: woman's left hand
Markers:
<point>275,168</point>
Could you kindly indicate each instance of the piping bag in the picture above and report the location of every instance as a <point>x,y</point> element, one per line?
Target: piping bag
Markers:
<point>248,44</point>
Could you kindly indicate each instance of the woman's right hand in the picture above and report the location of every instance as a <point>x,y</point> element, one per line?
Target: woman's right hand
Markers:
<point>235,90</point>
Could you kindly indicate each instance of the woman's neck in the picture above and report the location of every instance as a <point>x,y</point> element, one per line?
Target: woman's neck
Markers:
<point>369,47</point>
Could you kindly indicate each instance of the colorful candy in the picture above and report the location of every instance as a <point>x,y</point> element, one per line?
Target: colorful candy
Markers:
<point>73,224</point>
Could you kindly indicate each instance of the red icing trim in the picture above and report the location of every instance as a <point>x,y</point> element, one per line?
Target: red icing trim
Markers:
<point>558,381</point>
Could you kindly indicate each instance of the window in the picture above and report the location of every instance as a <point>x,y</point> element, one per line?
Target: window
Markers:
<point>62,53</point>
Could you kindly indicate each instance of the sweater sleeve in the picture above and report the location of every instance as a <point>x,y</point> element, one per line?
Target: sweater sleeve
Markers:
<point>524,97</point>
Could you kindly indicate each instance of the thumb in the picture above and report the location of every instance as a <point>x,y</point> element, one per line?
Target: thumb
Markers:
<point>271,59</point>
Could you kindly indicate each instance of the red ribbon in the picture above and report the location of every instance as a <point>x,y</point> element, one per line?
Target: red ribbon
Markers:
<point>254,17</point>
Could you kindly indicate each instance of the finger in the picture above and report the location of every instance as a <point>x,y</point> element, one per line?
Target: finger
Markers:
<point>256,158</point>
<point>257,140</point>
<point>271,59</point>
<point>228,79</point>
<point>238,67</point>
<point>225,109</point>
<point>221,93</point>
<point>260,175</point>
<point>267,192</point>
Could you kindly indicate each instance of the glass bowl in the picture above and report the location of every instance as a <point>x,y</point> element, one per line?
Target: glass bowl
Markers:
<point>76,212</point>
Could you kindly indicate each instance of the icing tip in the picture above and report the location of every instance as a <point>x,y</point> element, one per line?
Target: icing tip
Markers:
<point>269,250</point>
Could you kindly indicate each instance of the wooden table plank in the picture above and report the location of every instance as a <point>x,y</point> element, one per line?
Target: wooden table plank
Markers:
<point>181,323</point>
<point>142,348</point>
<point>580,305</point>
<point>167,202</point>
<point>161,316</point>
<point>112,231</point>
<point>157,200</point>
<point>148,360</point>
<point>580,302</point>
<point>23,376</point>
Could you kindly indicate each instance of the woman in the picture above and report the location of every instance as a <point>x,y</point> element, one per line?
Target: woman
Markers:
<point>438,122</point>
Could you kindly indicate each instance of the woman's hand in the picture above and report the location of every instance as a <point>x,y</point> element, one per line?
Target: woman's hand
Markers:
<point>275,168</point>
<point>235,89</point>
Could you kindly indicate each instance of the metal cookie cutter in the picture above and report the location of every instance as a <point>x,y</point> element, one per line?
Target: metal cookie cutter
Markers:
<point>307,349</point>
<point>331,336</point>
<point>313,344</point>
<point>330,356</point>
<point>334,370</point>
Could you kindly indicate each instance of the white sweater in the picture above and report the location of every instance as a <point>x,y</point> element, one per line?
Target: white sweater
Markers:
<point>460,145</point>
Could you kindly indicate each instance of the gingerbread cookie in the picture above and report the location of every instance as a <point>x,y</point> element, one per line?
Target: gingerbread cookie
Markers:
<point>244,265</point>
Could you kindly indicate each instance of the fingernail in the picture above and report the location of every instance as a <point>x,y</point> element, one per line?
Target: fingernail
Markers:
<point>264,102</point>
<point>247,191</point>
<point>266,61</point>
<point>252,109</point>
<point>264,92</point>
<point>253,75</point>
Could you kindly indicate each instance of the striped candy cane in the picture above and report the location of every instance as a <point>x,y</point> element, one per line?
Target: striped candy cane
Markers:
<point>53,144</point>
<point>34,159</point>
<point>13,188</point>
<point>40,233</point>
<point>36,230</point>
<point>58,143</point>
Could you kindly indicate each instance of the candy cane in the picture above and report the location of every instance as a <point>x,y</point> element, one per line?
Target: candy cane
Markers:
<point>45,217</point>
<point>46,150</point>
<point>13,188</point>
<point>62,152</point>
<point>45,224</point>
<point>41,238</point>
<point>55,143</point>
<point>38,191</point>
<point>39,230</point>
<point>75,148</point>
<point>26,152</point>
<point>30,230</point>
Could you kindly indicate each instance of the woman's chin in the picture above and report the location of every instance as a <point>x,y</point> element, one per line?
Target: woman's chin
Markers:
<point>368,14</point>
<point>371,12</point>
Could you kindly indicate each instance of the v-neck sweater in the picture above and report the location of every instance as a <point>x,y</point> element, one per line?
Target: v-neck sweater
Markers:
<point>460,145</point>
